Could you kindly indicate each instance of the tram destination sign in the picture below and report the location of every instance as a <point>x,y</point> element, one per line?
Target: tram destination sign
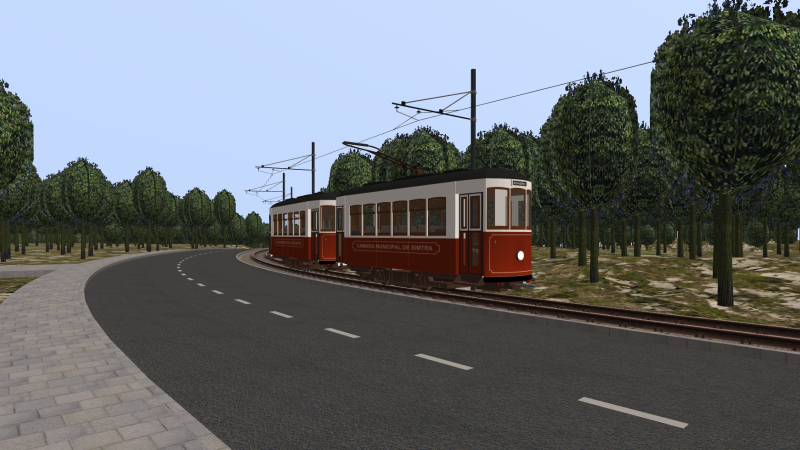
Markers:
<point>519,183</point>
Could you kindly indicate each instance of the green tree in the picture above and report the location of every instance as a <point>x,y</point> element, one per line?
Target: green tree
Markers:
<point>124,209</point>
<point>729,112</point>
<point>85,194</point>
<point>224,211</point>
<point>253,227</point>
<point>150,198</point>
<point>595,138</point>
<point>648,236</point>
<point>350,170</point>
<point>16,136</point>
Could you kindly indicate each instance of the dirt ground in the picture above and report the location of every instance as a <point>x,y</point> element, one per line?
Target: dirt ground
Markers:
<point>766,290</point>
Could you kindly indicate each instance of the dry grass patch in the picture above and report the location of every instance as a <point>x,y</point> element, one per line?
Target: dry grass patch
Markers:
<point>766,290</point>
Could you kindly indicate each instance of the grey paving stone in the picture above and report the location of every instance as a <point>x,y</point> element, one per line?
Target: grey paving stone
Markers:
<point>60,374</point>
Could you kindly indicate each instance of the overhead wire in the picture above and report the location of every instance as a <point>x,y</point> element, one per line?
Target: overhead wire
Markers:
<point>426,118</point>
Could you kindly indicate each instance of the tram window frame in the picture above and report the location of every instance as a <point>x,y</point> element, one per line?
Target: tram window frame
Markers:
<point>414,213</point>
<point>339,219</point>
<point>355,220</point>
<point>400,211</point>
<point>528,208</point>
<point>516,193</point>
<point>285,225</point>
<point>302,223</point>
<point>437,206</point>
<point>384,219</point>
<point>328,220</point>
<point>296,223</point>
<point>276,231</point>
<point>315,220</point>
<point>491,208</point>
<point>369,214</point>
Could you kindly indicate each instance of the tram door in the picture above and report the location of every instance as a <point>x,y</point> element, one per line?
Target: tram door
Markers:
<point>470,234</point>
<point>314,234</point>
<point>340,233</point>
<point>475,235</point>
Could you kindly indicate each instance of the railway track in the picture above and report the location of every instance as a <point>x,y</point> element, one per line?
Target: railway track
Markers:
<point>769,336</point>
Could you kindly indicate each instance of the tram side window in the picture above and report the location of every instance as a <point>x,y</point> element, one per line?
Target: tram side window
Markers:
<point>384,219</point>
<point>339,219</point>
<point>327,217</point>
<point>355,220</point>
<point>285,225</point>
<point>517,209</point>
<point>417,208</point>
<point>369,220</point>
<point>437,216</point>
<point>314,220</point>
<point>276,230</point>
<point>497,208</point>
<point>529,210</point>
<point>400,218</point>
<point>302,223</point>
<point>296,223</point>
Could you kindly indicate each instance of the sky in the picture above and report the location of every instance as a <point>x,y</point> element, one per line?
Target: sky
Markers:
<point>205,91</point>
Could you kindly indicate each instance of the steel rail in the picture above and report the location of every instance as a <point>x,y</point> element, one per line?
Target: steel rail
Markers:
<point>761,335</point>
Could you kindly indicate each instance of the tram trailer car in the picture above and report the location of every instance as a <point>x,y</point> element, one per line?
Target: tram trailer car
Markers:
<point>303,231</point>
<point>464,227</point>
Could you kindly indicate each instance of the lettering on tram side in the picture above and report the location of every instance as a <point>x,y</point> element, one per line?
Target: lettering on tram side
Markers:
<point>425,248</point>
<point>289,242</point>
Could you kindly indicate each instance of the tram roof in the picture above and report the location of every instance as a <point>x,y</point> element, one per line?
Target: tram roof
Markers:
<point>308,197</point>
<point>435,178</point>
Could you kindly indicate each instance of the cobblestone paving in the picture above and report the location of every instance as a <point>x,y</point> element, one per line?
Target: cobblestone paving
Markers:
<point>65,386</point>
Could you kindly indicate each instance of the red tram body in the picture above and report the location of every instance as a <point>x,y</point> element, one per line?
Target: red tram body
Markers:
<point>458,228</point>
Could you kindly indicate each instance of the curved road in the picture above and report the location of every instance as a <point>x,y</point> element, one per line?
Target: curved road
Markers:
<point>260,380</point>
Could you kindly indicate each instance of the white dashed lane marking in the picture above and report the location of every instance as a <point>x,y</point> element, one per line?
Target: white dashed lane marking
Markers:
<point>633,412</point>
<point>341,332</point>
<point>281,314</point>
<point>444,361</point>
<point>190,279</point>
<point>216,292</point>
<point>183,274</point>
<point>201,284</point>
<point>242,301</point>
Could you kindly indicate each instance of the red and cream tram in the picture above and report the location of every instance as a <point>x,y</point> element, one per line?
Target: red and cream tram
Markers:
<point>458,228</point>
<point>300,242</point>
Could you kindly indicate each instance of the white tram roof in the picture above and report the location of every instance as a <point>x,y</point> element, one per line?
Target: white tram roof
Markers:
<point>313,201</point>
<point>450,176</point>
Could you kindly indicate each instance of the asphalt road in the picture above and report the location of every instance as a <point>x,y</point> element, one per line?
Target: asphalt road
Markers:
<point>259,380</point>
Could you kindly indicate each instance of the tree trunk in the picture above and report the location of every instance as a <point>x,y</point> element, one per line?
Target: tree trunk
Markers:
<point>83,240</point>
<point>63,240</point>
<point>680,237</point>
<point>594,273</point>
<point>764,230</point>
<point>582,237</point>
<point>699,240</point>
<point>717,239</point>
<point>692,237</point>
<point>778,237</point>
<point>158,237</point>
<point>551,236</point>
<point>127,238</point>
<point>564,232</point>
<point>665,236</point>
<point>24,236</point>
<point>637,236</point>
<point>786,240</point>
<point>658,237</point>
<point>623,245</point>
<point>91,240</point>
<point>725,272</point>
<point>613,238</point>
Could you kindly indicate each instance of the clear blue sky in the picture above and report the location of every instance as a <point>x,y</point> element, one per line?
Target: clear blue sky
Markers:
<point>205,91</point>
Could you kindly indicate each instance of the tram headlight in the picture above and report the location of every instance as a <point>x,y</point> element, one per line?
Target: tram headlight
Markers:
<point>520,255</point>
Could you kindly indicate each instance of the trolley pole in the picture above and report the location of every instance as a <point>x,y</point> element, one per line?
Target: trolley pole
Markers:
<point>473,119</point>
<point>291,192</point>
<point>284,186</point>
<point>312,168</point>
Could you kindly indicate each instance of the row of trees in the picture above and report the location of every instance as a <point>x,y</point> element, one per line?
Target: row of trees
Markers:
<point>721,149</point>
<point>79,199</point>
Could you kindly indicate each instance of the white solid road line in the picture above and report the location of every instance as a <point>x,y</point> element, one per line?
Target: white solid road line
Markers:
<point>201,285</point>
<point>444,361</point>
<point>281,314</point>
<point>341,332</point>
<point>633,412</point>
<point>216,292</point>
<point>242,301</point>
